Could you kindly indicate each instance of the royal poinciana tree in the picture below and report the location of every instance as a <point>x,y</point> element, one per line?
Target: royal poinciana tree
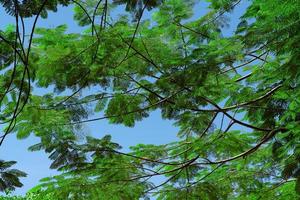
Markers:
<point>235,99</point>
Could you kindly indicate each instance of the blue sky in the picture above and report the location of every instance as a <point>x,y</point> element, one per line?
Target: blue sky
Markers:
<point>152,130</point>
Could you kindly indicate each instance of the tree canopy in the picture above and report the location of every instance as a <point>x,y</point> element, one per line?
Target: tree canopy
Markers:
<point>235,99</point>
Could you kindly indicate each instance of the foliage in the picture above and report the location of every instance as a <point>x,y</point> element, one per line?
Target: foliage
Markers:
<point>9,177</point>
<point>235,99</point>
<point>29,8</point>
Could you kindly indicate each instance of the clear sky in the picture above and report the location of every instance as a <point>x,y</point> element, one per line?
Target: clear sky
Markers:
<point>152,130</point>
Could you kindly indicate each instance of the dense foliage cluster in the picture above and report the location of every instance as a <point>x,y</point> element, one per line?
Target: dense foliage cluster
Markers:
<point>235,99</point>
